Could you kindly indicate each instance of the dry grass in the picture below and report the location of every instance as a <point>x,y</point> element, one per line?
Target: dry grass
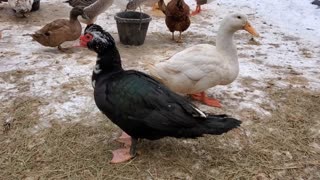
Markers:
<point>274,148</point>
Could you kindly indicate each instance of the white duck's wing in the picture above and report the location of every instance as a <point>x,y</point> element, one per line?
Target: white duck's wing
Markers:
<point>184,62</point>
<point>195,62</point>
<point>185,71</point>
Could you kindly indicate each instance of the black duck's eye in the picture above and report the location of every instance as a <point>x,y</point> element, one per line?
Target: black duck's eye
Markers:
<point>88,37</point>
<point>239,17</point>
<point>47,33</point>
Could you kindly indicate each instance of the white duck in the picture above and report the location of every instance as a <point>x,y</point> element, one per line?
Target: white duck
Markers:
<point>21,7</point>
<point>92,8</point>
<point>200,67</point>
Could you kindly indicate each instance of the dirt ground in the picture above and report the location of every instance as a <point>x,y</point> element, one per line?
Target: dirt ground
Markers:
<point>52,129</point>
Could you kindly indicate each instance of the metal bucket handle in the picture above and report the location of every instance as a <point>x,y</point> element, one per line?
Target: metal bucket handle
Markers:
<point>140,13</point>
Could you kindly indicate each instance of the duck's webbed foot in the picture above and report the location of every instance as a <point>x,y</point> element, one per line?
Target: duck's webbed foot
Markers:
<point>126,153</point>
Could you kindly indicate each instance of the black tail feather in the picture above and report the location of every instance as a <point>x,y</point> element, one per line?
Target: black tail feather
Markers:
<point>219,124</point>
<point>212,124</point>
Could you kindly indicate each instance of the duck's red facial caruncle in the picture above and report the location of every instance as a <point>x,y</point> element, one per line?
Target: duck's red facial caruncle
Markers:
<point>84,39</point>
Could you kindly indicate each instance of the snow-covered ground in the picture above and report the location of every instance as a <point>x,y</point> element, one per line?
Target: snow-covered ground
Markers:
<point>286,54</point>
<point>297,17</point>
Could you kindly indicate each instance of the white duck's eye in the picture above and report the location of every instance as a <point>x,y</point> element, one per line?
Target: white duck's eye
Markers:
<point>239,17</point>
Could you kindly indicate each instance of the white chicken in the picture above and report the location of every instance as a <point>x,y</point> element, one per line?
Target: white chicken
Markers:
<point>21,7</point>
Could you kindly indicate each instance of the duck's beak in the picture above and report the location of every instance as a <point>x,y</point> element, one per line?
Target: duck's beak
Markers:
<point>250,29</point>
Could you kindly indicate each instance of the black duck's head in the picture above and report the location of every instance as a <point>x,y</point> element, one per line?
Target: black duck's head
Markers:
<point>96,39</point>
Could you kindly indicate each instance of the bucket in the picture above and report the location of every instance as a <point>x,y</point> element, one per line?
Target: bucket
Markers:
<point>132,27</point>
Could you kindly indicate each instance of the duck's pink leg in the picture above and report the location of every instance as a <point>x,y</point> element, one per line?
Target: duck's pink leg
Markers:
<point>125,139</point>
<point>126,153</point>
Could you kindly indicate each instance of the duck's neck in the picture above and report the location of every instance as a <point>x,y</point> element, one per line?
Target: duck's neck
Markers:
<point>108,61</point>
<point>73,17</point>
<point>225,43</point>
<point>228,51</point>
<point>98,7</point>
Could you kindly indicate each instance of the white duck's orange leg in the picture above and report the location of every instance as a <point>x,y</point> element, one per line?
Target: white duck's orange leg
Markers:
<point>202,97</point>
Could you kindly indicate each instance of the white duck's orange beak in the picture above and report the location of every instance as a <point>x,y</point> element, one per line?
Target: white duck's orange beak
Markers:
<point>250,29</point>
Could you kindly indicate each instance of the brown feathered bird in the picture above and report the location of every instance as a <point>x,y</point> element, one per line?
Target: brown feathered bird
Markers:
<point>177,16</point>
<point>60,30</point>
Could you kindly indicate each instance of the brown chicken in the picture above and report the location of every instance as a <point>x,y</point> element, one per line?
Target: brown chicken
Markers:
<point>177,16</point>
<point>60,30</point>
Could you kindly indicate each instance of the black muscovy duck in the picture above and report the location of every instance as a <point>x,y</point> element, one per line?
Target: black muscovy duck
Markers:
<point>141,106</point>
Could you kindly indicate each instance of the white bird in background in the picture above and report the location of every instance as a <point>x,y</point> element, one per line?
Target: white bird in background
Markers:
<point>199,3</point>
<point>134,4</point>
<point>92,8</point>
<point>21,7</point>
